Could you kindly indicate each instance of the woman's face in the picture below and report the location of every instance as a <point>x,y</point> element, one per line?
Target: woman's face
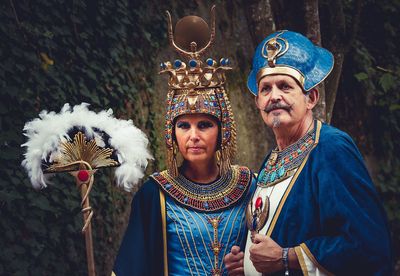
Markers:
<point>197,135</point>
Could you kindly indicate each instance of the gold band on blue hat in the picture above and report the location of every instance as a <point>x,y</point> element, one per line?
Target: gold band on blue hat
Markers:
<point>279,70</point>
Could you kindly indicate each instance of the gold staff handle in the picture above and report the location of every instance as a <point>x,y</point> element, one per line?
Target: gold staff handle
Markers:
<point>85,188</point>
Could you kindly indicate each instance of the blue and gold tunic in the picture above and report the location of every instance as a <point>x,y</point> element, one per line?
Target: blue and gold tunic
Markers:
<point>328,210</point>
<point>178,227</point>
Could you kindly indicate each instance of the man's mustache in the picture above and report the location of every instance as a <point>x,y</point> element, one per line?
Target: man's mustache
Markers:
<point>274,106</point>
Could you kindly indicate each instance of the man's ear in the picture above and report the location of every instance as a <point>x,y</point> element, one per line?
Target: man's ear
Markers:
<point>313,97</point>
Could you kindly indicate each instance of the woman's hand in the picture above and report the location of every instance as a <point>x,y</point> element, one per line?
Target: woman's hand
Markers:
<point>234,261</point>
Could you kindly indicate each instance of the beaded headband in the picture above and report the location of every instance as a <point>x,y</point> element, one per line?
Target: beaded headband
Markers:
<point>197,87</point>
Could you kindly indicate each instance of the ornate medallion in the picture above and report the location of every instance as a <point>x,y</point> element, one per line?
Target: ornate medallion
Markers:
<point>257,217</point>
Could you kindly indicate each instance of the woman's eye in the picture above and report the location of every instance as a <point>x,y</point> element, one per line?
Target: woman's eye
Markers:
<point>183,125</point>
<point>205,124</point>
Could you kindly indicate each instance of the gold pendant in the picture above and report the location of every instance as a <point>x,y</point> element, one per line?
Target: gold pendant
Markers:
<point>272,159</point>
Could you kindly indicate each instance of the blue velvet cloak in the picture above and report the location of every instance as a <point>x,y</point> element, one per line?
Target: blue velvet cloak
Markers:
<point>332,211</point>
<point>144,232</point>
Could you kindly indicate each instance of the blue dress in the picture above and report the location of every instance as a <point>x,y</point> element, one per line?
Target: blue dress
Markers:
<point>178,227</point>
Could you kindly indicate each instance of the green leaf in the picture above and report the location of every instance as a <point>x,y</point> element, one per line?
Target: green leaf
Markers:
<point>361,76</point>
<point>394,107</point>
<point>387,81</point>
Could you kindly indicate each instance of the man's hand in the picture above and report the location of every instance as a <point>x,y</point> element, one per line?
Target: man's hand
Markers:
<point>266,254</point>
<point>234,261</point>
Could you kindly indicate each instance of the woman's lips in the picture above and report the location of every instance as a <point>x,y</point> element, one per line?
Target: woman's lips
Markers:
<point>195,149</point>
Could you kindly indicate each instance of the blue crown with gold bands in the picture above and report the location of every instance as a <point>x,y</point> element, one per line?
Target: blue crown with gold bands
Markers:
<point>290,53</point>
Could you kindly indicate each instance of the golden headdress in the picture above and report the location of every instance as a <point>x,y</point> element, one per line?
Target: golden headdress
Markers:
<point>197,86</point>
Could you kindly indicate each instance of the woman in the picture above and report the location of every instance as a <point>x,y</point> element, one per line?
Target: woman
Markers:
<point>185,219</point>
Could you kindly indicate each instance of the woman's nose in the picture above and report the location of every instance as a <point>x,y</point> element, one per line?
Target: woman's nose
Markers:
<point>194,134</point>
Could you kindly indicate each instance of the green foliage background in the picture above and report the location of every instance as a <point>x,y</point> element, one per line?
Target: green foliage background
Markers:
<point>53,52</point>
<point>368,102</point>
<point>106,53</point>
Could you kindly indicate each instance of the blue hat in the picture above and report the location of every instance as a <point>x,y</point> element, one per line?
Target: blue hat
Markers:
<point>290,53</point>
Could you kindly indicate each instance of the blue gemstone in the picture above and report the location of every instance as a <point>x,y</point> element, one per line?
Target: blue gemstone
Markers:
<point>227,61</point>
<point>281,171</point>
<point>192,63</point>
<point>223,61</point>
<point>261,175</point>
<point>240,186</point>
<point>178,63</point>
<point>273,176</point>
<point>186,199</point>
<point>267,177</point>
<point>210,62</point>
<point>254,224</point>
<point>162,65</point>
<point>205,204</point>
<point>205,102</point>
<point>226,199</point>
<point>168,186</point>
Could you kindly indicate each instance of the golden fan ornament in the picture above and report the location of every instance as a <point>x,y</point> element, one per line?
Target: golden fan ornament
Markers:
<point>80,141</point>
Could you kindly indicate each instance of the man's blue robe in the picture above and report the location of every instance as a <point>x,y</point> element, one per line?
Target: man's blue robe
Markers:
<point>332,210</point>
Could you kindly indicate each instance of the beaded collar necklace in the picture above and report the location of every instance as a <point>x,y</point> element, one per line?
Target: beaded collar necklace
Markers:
<point>283,164</point>
<point>210,197</point>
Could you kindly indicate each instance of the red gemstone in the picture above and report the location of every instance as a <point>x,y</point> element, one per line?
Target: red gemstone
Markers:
<point>259,202</point>
<point>83,175</point>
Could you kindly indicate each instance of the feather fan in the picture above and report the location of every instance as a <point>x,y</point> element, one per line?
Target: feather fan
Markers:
<point>46,133</point>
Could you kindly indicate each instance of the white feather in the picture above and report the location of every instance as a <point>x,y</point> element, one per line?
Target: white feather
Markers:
<point>46,132</point>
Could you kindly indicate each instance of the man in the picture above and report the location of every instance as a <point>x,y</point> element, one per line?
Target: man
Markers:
<point>315,210</point>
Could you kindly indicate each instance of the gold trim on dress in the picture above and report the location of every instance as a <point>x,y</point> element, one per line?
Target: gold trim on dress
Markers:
<point>313,259</point>
<point>302,262</point>
<point>164,231</point>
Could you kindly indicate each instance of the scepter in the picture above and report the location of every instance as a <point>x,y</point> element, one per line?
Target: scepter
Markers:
<point>80,142</point>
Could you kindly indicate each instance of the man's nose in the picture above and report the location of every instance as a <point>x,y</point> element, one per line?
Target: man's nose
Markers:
<point>276,94</point>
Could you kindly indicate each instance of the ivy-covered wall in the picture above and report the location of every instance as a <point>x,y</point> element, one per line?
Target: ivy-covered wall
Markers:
<point>53,52</point>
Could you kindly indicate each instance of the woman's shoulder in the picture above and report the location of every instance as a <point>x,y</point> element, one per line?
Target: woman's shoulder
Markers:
<point>149,188</point>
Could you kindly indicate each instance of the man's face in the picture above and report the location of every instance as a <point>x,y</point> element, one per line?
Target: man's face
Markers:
<point>281,101</point>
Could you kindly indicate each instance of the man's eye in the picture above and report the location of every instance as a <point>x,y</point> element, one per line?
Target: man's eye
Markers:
<point>183,125</point>
<point>205,124</point>
<point>285,86</point>
<point>265,89</point>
